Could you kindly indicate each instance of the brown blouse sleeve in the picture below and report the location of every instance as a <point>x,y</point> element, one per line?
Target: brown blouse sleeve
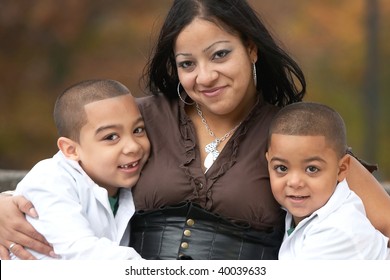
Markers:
<point>370,167</point>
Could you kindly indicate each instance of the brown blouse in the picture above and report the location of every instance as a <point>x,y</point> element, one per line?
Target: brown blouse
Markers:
<point>236,186</point>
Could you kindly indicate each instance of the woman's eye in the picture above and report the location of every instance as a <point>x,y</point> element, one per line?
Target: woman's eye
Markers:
<point>221,54</point>
<point>185,64</point>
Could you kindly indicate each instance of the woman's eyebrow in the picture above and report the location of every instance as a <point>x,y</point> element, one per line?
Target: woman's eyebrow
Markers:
<point>204,50</point>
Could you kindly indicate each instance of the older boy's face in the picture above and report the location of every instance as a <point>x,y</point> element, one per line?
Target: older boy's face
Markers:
<point>304,172</point>
<point>113,144</point>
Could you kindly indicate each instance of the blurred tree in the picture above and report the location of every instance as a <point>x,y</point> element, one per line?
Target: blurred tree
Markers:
<point>371,80</point>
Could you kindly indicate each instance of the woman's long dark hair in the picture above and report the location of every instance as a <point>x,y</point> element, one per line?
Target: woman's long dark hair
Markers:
<point>279,78</point>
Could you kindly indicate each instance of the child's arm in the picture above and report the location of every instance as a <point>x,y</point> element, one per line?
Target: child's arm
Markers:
<point>375,199</point>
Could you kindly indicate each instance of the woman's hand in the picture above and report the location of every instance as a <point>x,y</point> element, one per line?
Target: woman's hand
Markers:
<point>375,199</point>
<point>14,229</point>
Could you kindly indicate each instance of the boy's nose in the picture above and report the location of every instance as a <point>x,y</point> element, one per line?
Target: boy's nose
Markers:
<point>294,181</point>
<point>131,146</point>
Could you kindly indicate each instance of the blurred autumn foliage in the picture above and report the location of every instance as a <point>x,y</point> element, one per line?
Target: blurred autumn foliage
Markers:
<point>343,47</point>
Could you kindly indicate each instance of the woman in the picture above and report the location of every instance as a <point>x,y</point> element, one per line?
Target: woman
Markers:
<point>217,79</point>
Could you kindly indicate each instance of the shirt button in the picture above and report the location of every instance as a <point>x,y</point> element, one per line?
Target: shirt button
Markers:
<point>200,185</point>
<point>190,222</point>
<point>187,233</point>
<point>184,245</point>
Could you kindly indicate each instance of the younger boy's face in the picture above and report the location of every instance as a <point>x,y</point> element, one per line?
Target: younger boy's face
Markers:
<point>304,172</point>
<point>113,144</point>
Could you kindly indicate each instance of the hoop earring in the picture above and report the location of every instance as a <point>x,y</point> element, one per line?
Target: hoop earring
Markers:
<point>181,98</point>
<point>254,74</point>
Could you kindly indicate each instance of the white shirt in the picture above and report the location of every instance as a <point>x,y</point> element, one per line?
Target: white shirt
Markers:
<point>339,230</point>
<point>75,214</point>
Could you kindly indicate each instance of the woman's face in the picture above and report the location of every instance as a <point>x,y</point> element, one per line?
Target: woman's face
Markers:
<point>215,68</point>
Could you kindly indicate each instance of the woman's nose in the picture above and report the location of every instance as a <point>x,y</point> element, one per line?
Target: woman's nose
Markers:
<point>206,75</point>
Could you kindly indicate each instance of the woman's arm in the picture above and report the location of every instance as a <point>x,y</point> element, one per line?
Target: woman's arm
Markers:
<point>375,199</point>
<point>15,229</point>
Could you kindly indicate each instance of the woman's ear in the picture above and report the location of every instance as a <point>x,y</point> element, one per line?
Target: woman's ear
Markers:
<point>68,147</point>
<point>252,50</point>
<point>343,167</point>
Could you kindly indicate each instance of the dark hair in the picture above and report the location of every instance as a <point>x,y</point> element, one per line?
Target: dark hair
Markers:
<point>277,71</point>
<point>69,114</point>
<point>309,118</point>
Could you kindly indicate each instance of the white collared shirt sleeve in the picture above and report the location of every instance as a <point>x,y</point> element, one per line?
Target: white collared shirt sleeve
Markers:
<point>339,230</point>
<point>75,214</point>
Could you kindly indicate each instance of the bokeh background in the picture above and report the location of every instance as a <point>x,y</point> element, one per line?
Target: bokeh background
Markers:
<point>343,46</point>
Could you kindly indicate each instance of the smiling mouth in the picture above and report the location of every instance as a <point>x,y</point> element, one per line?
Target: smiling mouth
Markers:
<point>212,91</point>
<point>130,165</point>
<point>297,197</point>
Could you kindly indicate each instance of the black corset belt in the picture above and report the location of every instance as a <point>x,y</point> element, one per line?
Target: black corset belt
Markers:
<point>187,231</point>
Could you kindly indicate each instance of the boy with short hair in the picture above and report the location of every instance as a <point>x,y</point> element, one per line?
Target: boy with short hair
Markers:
<point>83,194</point>
<point>308,163</point>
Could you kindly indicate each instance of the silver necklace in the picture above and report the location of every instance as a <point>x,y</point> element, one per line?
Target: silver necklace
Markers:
<point>211,148</point>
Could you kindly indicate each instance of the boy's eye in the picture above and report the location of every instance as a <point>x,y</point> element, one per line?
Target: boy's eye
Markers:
<point>312,169</point>
<point>111,137</point>
<point>280,168</point>
<point>139,130</point>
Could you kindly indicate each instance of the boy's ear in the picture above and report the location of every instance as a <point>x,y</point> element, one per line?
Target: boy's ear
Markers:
<point>343,167</point>
<point>68,147</point>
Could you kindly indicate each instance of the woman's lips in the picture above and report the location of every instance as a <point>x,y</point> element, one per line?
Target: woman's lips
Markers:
<point>212,92</point>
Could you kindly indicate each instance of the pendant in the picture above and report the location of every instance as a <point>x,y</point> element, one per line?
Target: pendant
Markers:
<point>211,147</point>
<point>209,160</point>
<point>213,153</point>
